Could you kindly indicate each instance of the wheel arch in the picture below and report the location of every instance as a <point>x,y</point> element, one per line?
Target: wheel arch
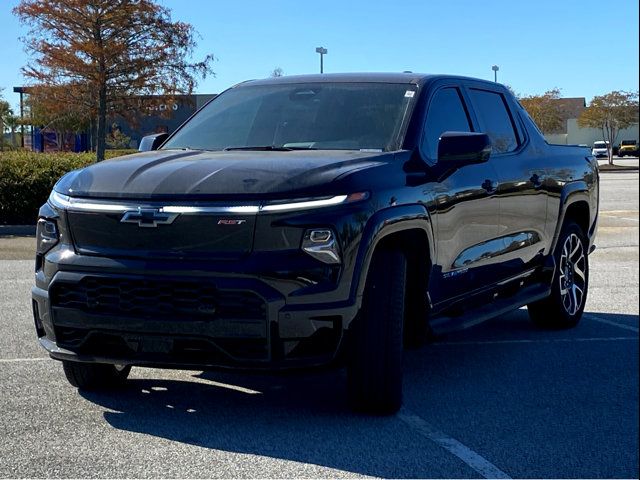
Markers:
<point>407,228</point>
<point>575,205</point>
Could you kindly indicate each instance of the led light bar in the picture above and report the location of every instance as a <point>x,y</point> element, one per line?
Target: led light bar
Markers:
<point>80,204</point>
<point>302,205</point>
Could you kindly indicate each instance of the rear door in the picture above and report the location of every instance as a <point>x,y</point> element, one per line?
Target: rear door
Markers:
<point>522,191</point>
<point>466,211</point>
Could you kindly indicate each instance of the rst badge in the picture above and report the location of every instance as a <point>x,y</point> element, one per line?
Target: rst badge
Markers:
<point>148,217</point>
<point>230,221</point>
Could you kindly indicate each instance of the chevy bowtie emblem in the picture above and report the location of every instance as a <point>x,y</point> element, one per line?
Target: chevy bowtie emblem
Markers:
<point>148,217</point>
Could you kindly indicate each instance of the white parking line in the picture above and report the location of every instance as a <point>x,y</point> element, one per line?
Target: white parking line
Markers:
<point>593,316</point>
<point>18,360</point>
<point>550,340</point>
<point>480,464</point>
<point>237,388</point>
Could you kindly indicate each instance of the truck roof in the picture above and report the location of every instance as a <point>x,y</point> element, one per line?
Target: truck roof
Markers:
<point>389,77</point>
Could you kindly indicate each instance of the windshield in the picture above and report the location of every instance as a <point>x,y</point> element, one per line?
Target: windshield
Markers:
<point>345,116</point>
<point>599,145</point>
<point>628,142</point>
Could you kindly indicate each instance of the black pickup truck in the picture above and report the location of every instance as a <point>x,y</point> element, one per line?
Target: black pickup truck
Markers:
<point>312,220</point>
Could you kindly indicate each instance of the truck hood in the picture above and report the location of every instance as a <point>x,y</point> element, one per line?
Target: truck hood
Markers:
<point>169,173</point>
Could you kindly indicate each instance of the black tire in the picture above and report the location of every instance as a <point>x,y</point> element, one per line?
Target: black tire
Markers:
<point>375,364</point>
<point>564,307</point>
<point>95,376</point>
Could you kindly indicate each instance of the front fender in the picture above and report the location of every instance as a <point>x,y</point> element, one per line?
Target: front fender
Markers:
<point>381,225</point>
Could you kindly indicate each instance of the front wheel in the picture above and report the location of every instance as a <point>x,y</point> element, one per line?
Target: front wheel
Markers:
<point>564,307</point>
<point>375,364</point>
<point>95,376</point>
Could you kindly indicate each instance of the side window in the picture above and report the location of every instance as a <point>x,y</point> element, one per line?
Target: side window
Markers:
<point>446,113</point>
<point>495,120</point>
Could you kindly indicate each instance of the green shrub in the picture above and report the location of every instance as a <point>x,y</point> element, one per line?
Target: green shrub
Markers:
<point>26,179</point>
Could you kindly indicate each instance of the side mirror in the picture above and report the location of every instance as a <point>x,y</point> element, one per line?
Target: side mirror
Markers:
<point>457,149</point>
<point>152,142</point>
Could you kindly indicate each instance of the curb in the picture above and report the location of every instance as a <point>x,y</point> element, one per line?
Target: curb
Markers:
<point>17,230</point>
<point>618,168</point>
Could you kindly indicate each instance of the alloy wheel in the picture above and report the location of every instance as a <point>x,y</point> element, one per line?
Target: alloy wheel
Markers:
<point>573,279</point>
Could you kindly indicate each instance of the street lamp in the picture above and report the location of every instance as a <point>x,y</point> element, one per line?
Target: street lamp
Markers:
<point>322,51</point>
<point>495,69</point>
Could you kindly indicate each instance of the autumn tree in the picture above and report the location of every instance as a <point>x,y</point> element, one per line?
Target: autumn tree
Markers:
<point>103,52</point>
<point>545,110</point>
<point>611,113</point>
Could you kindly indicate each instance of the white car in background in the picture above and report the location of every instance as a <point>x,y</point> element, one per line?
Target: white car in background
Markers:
<point>600,149</point>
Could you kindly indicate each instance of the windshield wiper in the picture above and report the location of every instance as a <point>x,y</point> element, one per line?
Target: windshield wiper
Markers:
<point>260,148</point>
<point>269,148</point>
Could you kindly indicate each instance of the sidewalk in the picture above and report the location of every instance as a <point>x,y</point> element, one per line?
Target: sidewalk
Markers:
<point>17,242</point>
<point>624,164</point>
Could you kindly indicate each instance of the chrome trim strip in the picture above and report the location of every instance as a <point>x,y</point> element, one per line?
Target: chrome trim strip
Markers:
<point>195,210</point>
<point>74,204</point>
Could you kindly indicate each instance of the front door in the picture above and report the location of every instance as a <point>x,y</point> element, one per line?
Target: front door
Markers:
<point>466,211</point>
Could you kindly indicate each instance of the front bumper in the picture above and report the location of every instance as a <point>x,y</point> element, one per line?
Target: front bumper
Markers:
<point>170,318</point>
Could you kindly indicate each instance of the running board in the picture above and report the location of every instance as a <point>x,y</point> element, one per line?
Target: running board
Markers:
<point>444,324</point>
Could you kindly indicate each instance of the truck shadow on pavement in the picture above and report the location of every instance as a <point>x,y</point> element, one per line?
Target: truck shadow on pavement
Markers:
<point>303,417</point>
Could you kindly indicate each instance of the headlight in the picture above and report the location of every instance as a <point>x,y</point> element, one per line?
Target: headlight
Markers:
<point>47,235</point>
<point>321,244</point>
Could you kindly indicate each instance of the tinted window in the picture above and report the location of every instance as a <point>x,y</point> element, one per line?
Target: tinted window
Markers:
<point>314,115</point>
<point>446,114</point>
<point>495,121</point>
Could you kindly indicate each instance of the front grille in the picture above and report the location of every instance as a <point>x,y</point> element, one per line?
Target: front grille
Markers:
<point>157,299</point>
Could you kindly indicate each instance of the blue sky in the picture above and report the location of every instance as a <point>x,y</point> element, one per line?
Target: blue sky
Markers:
<point>584,47</point>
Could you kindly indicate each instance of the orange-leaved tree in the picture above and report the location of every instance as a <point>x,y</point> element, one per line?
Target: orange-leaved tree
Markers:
<point>545,110</point>
<point>611,113</point>
<point>103,52</point>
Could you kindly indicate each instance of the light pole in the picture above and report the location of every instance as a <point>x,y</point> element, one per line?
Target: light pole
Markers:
<point>322,51</point>
<point>495,69</point>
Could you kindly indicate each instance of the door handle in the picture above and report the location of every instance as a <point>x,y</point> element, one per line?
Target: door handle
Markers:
<point>490,186</point>
<point>536,180</point>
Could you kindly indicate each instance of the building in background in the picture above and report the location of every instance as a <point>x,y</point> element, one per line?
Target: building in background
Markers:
<point>572,134</point>
<point>157,116</point>
<point>151,114</point>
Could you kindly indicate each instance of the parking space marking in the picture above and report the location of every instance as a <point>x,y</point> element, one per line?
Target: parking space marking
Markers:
<point>480,464</point>
<point>592,316</point>
<point>18,360</point>
<point>548,340</point>
<point>237,388</point>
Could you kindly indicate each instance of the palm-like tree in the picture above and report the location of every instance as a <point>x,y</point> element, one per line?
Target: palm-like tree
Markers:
<point>6,114</point>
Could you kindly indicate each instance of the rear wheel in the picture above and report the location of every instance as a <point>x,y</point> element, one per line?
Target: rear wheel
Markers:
<point>564,307</point>
<point>375,364</point>
<point>95,376</point>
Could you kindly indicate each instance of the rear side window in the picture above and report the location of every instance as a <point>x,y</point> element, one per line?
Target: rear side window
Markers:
<point>495,120</point>
<point>446,114</point>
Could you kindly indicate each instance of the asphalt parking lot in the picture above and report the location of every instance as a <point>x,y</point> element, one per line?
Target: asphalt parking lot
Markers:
<point>503,399</point>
